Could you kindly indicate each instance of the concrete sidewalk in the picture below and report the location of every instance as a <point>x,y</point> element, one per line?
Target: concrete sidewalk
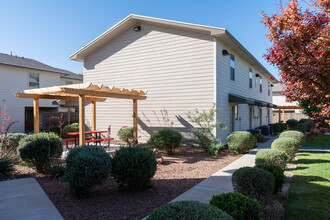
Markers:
<point>220,182</point>
<point>25,199</point>
<point>314,149</point>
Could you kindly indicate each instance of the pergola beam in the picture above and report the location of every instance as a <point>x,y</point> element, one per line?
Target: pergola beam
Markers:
<point>66,97</point>
<point>288,107</point>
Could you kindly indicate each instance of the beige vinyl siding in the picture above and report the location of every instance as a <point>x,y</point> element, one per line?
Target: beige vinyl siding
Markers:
<point>15,79</point>
<point>240,87</point>
<point>175,66</point>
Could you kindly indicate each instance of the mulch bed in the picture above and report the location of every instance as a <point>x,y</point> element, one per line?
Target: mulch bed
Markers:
<point>178,173</point>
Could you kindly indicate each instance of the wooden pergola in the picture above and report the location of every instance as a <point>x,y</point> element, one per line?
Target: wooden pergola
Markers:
<point>83,92</point>
<point>282,108</point>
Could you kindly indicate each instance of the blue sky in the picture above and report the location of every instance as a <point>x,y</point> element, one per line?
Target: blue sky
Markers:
<point>50,31</point>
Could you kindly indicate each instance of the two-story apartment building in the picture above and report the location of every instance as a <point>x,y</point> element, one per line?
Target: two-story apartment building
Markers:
<point>183,66</point>
<point>20,73</point>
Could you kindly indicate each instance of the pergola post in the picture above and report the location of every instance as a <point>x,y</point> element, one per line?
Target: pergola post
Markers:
<point>94,117</point>
<point>135,120</point>
<point>283,114</point>
<point>279,115</point>
<point>81,120</point>
<point>36,115</point>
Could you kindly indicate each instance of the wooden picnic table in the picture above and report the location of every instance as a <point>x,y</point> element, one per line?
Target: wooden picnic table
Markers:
<point>97,139</point>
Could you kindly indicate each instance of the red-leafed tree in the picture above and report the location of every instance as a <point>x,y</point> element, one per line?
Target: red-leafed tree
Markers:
<point>301,48</point>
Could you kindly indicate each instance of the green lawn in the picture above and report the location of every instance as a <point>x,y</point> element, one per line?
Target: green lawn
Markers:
<point>309,196</point>
<point>322,141</point>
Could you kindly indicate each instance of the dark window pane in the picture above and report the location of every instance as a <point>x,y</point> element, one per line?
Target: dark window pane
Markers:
<point>33,77</point>
<point>232,73</point>
<point>33,85</point>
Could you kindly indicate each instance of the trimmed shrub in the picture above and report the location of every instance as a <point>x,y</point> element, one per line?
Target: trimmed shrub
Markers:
<point>241,141</point>
<point>255,183</point>
<point>289,146</point>
<point>277,172</point>
<point>74,127</point>
<point>86,166</point>
<point>134,167</point>
<point>214,148</point>
<point>237,206</point>
<point>126,134</point>
<point>271,156</point>
<point>302,126</point>
<point>11,141</point>
<point>188,210</point>
<point>277,128</point>
<point>57,171</point>
<point>259,137</point>
<point>6,166</point>
<point>299,136</point>
<point>254,131</point>
<point>166,139</point>
<point>283,126</point>
<point>309,126</point>
<point>55,129</point>
<point>292,123</point>
<point>39,149</point>
<point>264,129</point>
<point>304,120</point>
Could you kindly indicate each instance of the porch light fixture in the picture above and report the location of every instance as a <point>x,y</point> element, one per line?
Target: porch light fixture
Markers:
<point>225,53</point>
<point>257,75</point>
<point>137,28</point>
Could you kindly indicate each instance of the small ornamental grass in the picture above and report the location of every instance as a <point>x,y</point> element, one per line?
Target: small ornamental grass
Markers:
<point>188,210</point>
<point>10,141</point>
<point>241,141</point>
<point>238,206</point>
<point>166,139</point>
<point>86,166</point>
<point>255,183</point>
<point>277,172</point>
<point>271,156</point>
<point>292,123</point>
<point>126,134</point>
<point>289,146</point>
<point>39,149</point>
<point>299,136</point>
<point>133,167</point>
<point>6,166</point>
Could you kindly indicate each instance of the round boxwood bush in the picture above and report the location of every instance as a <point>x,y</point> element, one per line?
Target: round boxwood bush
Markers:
<point>292,123</point>
<point>188,210</point>
<point>166,139</point>
<point>259,137</point>
<point>241,141</point>
<point>133,167</point>
<point>74,127</point>
<point>271,156</point>
<point>238,206</point>
<point>304,120</point>
<point>255,183</point>
<point>39,149</point>
<point>283,126</point>
<point>126,134</point>
<point>277,128</point>
<point>302,126</point>
<point>86,166</point>
<point>299,136</point>
<point>289,146</point>
<point>277,172</point>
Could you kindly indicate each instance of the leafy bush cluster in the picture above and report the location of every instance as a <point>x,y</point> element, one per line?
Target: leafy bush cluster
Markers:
<point>85,167</point>
<point>166,139</point>
<point>237,205</point>
<point>134,167</point>
<point>272,157</point>
<point>126,134</point>
<point>292,123</point>
<point>188,210</point>
<point>74,127</point>
<point>255,183</point>
<point>259,137</point>
<point>39,149</point>
<point>289,146</point>
<point>277,172</point>
<point>241,141</point>
<point>299,136</point>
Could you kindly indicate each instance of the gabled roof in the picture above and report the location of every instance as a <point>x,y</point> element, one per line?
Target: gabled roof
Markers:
<point>219,33</point>
<point>75,76</point>
<point>11,60</point>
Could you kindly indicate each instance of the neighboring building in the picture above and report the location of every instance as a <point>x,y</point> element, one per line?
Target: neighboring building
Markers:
<point>289,109</point>
<point>183,66</point>
<point>20,73</point>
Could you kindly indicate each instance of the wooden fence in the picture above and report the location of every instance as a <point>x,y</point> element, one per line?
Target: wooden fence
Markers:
<point>288,116</point>
<point>50,119</point>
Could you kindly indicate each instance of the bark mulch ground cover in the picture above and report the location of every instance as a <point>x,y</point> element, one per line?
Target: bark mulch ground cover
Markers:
<point>178,173</point>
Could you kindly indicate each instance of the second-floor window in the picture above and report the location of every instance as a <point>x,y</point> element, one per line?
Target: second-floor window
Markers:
<point>33,80</point>
<point>268,89</point>
<point>250,77</point>
<point>232,67</point>
<point>260,82</point>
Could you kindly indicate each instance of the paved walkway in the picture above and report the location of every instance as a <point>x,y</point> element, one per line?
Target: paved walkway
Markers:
<point>25,199</point>
<point>220,182</point>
